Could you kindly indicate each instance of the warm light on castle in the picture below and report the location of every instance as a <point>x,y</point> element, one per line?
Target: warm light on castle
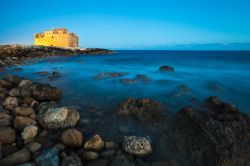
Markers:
<point>58,37</point>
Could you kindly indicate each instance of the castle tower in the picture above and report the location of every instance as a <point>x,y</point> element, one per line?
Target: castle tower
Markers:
<point>58,37</point>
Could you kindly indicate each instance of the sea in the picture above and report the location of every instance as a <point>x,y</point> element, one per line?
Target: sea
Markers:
<point>197,76</point>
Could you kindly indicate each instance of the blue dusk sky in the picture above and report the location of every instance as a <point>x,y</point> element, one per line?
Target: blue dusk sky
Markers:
<point>132,24</point>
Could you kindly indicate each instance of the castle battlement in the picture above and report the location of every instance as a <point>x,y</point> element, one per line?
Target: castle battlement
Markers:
<point>58,37</point>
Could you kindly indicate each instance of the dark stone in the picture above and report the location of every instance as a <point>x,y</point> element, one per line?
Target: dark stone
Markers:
<point>166,68</point>
<point>48,158</point>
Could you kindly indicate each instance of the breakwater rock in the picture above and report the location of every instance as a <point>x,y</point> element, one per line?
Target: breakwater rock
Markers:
<point>15,54</point>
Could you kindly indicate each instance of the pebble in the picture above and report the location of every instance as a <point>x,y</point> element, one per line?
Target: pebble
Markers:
<point>21,122</point>
<point>95,143</point>
<point>72,138</point>
<point>89,155</point>
<point>29,133</point>
<point>19,157</point>
<point>7,135</point>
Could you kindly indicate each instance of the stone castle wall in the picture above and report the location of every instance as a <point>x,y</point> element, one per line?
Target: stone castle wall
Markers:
<point>56,37</point>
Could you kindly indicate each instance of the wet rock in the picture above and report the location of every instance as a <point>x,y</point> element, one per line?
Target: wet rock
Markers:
<point>71,160</point>
<point>29,133</point>
<point>25,84</point>
<point>10,103</point>
<point>142,77</point>
<point>15,92</point>
<point>128,81</point>
<point>21,122</point>
<point>54,75</point>
<point>95,143</point>
<point>27,164</point>
<point>89,155</point>
<point>222,107</point>
<point>60,146</point>
<point>34,147</point>
<point>72,138</point>
<point>166,68</point>
<point>48,158</point>
<point>54,118</point>
<point>19,157</point>
<point>215,87</point>
<point>107,153</point>
<point>5,119</point>
<point>8,149</point>
<point>146,110</point>
<point>5,84</point>
<point>44,92</point>
<point>137,146</point>
<point>42,73</point>
<point>122,160</point>
<point>7,135</point>
<point>99,162</point>
<point>14,80</point>
<point>24,111</point>
<point>28,100</point>
<point>110,145</point>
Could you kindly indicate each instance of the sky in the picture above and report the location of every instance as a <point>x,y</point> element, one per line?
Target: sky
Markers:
<point>132,24</point>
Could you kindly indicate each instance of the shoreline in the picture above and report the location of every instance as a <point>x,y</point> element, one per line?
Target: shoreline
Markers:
<point>14,55</point>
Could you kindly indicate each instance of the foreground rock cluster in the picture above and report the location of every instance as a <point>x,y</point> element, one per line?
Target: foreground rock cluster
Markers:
<point>34,130</point>
<point>13,55</point>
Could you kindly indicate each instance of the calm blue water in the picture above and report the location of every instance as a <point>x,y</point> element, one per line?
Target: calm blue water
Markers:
<point>224,74</point>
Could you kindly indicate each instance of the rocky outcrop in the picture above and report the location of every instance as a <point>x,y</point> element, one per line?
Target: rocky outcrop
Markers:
<point>146,110</point>
<point>16,54</point>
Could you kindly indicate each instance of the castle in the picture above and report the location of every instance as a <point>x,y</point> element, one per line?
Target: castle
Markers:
<point>58,37</point>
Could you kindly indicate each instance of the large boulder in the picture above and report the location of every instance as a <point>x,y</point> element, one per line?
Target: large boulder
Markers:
<point>49,157</point>
<point>146,110</point>
<point>54,118</point>
<point>44,92</point>
<point>137,146</point>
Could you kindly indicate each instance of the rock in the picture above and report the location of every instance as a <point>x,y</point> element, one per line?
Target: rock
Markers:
<point>29,133</point>
<point>15,80</point>
<point>60,146</point>
<point>99,162</point>
<point>54,118</point>
<point>7,135</point>
<point>146,110</point>
<point>121,160</point>
<point>44,92</point>
<point>137,146</point>
<point>89,155</point>
<point>19,157</point>
<point>28,100</point>
<point>5,119</point>
<point>110,145</point>
<point>166,68</point>
<point>107,153</point>
<point>10,103</point>
<point>21,122</point>
<point>5,84</point>
<point>142,77</point>
<point>72,138</point>
<point>25,84</point>
<point>15,92</point>
<point>95,143</point>
<point>24,111</point>
<point>42,73</point>
<point>9,149</point>
<point>106,75</point>
<point>34,147</point>
<point>71,160</point>
<point>48,158</point>
<point>128,81</point>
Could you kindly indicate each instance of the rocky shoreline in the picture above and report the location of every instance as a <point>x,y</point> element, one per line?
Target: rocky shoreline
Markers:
<point>35,130</point>
<point>14,55</point>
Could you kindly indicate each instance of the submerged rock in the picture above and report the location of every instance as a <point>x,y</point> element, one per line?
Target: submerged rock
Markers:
<point>143,109</point>
<point>137,146</point>
<point>71,160</point>
<point>48,158</point>
<point>89,155</point>
<point>95,143</point>
<point>54,118</point>
<point>166,68</point>
<point>72,138</point>
<point>106,75</point>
